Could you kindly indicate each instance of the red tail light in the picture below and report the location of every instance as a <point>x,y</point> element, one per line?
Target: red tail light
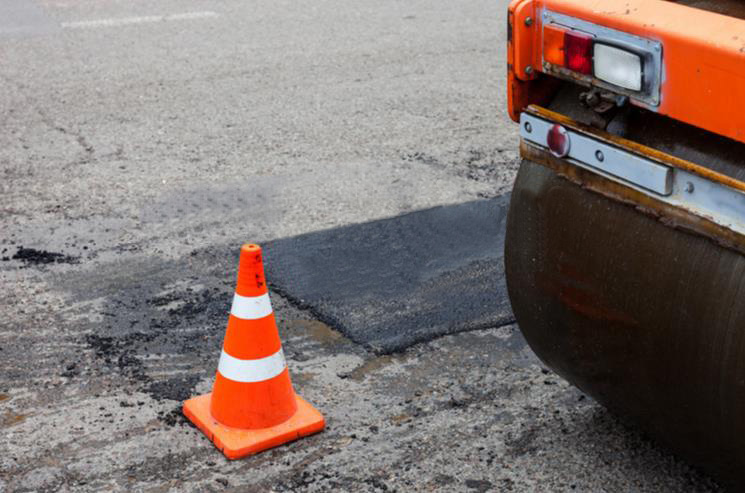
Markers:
<point>578,52</point>
<point>558,141</point>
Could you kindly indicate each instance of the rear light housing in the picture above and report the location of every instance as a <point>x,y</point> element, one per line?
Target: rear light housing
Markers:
<point>569,49</point>
<point>598,56</point>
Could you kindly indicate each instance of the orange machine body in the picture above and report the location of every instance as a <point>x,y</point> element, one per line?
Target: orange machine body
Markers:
<point>703,64</point>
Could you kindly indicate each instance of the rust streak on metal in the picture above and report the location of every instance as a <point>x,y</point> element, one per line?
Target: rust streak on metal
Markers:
<point>636,148</point>
<point>671,215</point>
<point>583,300</point>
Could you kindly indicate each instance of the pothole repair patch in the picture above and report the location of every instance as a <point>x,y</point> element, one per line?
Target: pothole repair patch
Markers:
<point>391,283</point>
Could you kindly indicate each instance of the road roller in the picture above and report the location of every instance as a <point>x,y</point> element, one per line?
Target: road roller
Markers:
<point>625,242</point>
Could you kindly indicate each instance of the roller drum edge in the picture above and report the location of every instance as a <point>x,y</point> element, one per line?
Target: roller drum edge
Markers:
<point>647,319</point>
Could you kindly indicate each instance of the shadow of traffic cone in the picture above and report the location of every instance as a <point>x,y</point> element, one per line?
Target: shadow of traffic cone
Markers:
<point>252,406</point>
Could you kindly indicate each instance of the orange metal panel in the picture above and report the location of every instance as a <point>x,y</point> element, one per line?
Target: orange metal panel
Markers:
<point>523,50</point>
<point>703,55</point>
<point>525,30</point>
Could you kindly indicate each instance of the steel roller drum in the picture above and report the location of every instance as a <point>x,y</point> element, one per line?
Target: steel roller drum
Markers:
<point>647,319</point>
<point>643,315</point>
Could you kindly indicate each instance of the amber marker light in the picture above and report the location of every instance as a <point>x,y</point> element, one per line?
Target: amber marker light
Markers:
<point>553,45</point>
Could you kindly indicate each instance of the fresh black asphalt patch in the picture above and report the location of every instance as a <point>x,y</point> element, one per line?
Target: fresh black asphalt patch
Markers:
<point>395,282</point>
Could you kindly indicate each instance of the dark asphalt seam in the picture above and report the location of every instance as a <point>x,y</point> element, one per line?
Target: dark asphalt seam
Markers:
<point>334,323</point>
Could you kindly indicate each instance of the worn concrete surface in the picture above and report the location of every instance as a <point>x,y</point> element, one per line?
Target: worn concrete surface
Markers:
<point>142,141</point>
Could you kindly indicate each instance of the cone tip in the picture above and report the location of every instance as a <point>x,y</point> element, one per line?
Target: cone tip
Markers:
<point>250,248</point>
<point>251,281</point>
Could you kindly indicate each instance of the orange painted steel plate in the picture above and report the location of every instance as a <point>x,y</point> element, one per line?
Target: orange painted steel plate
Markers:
<point>524,46</point>
<point>703,55</point>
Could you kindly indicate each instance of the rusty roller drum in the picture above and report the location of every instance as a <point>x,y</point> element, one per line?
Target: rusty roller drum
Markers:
<point>646,317</point>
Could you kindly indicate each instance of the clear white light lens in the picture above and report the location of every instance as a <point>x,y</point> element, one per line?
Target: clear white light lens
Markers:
<point>618,66</point>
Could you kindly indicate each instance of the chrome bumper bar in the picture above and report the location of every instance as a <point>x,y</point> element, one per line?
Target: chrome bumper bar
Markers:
<point>682,188</point>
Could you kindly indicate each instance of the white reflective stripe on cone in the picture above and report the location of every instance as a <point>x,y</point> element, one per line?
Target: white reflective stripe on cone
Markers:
<point>251,370</point>
<point>251,307</point>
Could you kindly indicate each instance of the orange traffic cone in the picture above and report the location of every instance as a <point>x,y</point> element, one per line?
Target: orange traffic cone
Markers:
<point>252,406</point>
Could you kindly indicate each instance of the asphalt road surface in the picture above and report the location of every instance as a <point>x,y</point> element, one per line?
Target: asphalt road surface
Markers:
<point>144,141</point>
